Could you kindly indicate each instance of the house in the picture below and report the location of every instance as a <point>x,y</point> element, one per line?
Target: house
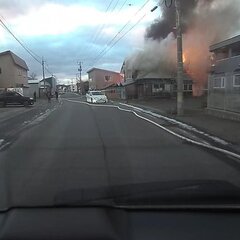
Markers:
<point>34,87</point>
<point>100,78</point>
<point>13,71</point>
<point>62,88</point>
<point>84,87</point>
<point>73,87</point>
<point>143,84</point>
<point>115,91</point>
<point>224,78</point>
<point>47,84</point>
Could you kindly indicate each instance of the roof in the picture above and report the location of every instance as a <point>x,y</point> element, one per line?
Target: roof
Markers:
<point>128,82</point>
<point>47,79</point>
<point>112,85</point>
<point>31,81</point>
<point>225,43</point>
<point>17,60</point>
<point>92,69</point>
<point>153,75</point>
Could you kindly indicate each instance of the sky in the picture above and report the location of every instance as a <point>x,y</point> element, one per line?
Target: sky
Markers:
<point>66,32</point>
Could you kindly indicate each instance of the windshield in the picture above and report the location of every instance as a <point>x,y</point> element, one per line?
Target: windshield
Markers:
<point>97,93</point>
<point>165,127</point>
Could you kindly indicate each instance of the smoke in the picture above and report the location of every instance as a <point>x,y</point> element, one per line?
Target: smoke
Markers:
<point>148,60</point>
<point>205,22</point>
<point>163,26</point>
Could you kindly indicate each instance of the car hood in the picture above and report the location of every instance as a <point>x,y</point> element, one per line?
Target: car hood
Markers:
<point>183,192</point>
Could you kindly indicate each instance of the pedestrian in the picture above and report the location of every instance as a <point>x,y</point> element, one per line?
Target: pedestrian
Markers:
<point>56,94</point>
<point>35,96</point>
<point>49,96</point>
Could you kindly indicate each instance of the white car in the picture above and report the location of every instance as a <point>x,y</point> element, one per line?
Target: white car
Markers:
<point>96,97</point>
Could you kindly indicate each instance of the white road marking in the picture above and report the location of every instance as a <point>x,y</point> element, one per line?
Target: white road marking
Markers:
<point>184,125</point>
<point>4,145</point>
<point>165,129</point>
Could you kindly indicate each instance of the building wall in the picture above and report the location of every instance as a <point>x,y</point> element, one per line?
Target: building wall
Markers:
<point>11,75</point>
<point>34,87</point>
<point>7,75</point>
<point>130,91</point>
<point>100,79</point>
<point>222,93</point>
<point>20,76</point>
<point>114,92</point>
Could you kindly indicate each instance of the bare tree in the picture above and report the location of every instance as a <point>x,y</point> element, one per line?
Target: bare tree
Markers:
<point>33,76</point>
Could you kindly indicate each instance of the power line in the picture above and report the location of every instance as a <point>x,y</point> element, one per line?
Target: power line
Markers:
<point>29,51</point>
<point>100,33</point>
<point>119,32</point>
<point>47,68</point>
<point>96,35</point>
<point>115,5</point>
<point>106,51</point>
<point>122,6</point>
<point>19,38</point>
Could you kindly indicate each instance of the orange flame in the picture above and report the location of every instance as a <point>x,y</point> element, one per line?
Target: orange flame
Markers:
<point>184,58</point>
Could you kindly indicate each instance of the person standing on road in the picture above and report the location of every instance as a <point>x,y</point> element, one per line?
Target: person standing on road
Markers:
<point>56,94</point>
<point>49,96</point>
<point>35,96</point>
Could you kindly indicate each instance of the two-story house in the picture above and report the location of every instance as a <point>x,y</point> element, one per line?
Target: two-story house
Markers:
<point>13,71</point>
<point>224,78</point>
<point>100,79</point>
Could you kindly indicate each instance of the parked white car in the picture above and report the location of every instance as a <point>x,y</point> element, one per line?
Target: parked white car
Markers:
<point>96,97</point>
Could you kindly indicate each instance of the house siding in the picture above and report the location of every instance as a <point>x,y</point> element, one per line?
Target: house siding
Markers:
<point>11,75</point>
<point>228,97</point>
<point>98,80</point>
<point>7,74</point>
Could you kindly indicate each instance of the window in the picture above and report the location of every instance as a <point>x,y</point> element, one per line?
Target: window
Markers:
<point>0,70</point>
<point>185,87</point>
<point>10,94</point>
<point>190,87</point>
<point>162,86</point>
<point>236,80</point>
<point>155,86</point>
<point>129,74</point>
<point>107,78</point>
<point>219,82</point>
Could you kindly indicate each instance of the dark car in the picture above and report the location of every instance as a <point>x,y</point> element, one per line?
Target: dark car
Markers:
<point>14,98</point>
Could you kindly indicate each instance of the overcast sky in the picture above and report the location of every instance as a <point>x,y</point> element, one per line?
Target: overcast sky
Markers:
<point>68,31</point>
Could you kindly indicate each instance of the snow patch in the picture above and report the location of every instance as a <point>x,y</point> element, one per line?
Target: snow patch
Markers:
<point>181,124</point>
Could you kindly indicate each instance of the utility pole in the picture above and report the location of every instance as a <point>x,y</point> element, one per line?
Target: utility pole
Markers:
<point>43,71</point>
<point>80,73</point>
<point>72,85</point>
<point>179,59</point>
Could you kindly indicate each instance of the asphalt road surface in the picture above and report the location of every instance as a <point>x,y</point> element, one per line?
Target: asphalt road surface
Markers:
<point>79,146</point>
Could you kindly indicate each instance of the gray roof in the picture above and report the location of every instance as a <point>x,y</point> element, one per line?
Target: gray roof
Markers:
<point>31,81</point>
<point>17,60</point>
<point>153,75</point>
<point>92,69</point>
<point>225,43</point>
<point>128,82</point>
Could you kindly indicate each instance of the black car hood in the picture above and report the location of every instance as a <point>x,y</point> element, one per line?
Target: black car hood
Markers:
<point>154,193</point>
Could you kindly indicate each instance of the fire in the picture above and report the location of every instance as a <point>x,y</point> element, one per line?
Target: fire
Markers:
<point>184,58</point>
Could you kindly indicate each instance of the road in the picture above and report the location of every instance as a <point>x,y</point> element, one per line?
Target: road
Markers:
<point>79,146</point>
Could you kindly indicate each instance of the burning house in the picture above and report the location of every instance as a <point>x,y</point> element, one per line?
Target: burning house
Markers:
<point>224,78</point>
<point>202,26</point>
<point>147,84</point>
